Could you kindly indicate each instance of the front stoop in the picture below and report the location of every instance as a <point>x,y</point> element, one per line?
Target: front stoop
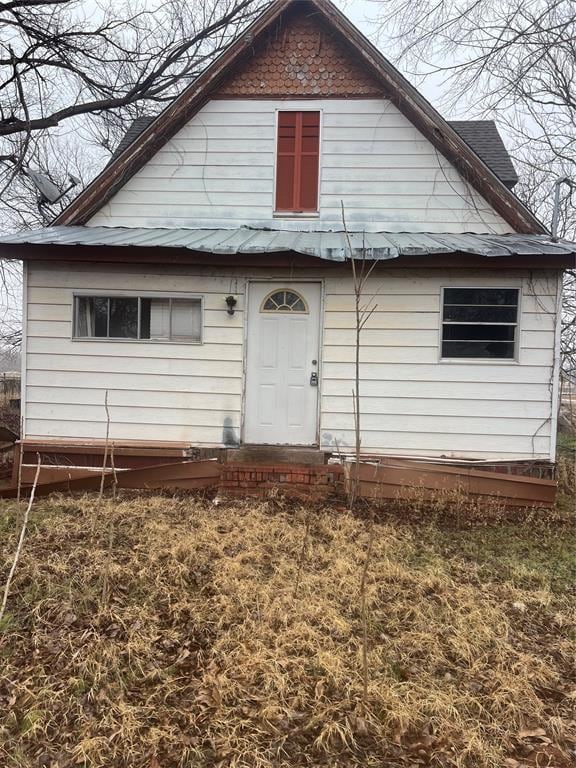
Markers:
<point>273,455</point>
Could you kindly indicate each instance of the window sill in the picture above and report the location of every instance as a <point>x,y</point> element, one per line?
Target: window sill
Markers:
<point>296,215</point>
<point>106,340</point>
<point>478,361</point>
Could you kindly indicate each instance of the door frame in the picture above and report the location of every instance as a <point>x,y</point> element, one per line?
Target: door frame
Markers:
<point>271,280</point>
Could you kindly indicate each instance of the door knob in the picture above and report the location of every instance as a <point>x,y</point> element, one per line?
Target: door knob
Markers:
<point>314,379</point>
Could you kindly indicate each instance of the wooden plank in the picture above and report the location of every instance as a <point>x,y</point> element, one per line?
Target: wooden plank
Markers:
<point>213,297</point>
<point>437,423</point>
<point>186,475</point>
<point>392,479</point>
<point>135,365</point>
<point>382,338</point>
<point>340,355</point>
<point>120,432</point>
<point>476,391</point>
<point>460,372</point>
<point>393,403</point>
<point>158,399</point>
<point>438,443</point>
<point>150,350</point>
<point>133,414</point>
<point>96,446</point>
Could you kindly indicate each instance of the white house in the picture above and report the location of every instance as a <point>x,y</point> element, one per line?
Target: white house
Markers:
<point>203,279</point>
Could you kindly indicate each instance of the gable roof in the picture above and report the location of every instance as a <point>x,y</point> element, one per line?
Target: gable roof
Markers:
<point>485,140</point>
<point>408,100</point>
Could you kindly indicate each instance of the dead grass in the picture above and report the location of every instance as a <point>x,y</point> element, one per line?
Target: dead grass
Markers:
<point>566,469</point>
<point>203,654</point>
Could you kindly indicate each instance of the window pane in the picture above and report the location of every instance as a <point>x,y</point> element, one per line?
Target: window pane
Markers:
<point>117,317</point>
<point>290,298</point>
<point>155,318</point>
<point>284,301</point>
<point>92,317</point>
<point>480,314</point>
<point>479,349</point>
<point>479,332</point>
<point>145,318</point>
<point>186,319</point>
<point>501,296</point>
<point>123,318</point>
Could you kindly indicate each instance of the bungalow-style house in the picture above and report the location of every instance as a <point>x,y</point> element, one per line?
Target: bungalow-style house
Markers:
<point>203,279</point>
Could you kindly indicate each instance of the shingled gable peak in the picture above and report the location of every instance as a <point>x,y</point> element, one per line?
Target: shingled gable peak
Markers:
<point>301,56</point>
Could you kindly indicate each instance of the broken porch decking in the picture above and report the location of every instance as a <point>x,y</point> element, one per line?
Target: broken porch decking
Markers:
<point>392,478</point>
<point>306,473</point>
<point>185,475</point>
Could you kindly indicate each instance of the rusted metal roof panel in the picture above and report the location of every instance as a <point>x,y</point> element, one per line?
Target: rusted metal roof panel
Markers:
<point>332,246</point>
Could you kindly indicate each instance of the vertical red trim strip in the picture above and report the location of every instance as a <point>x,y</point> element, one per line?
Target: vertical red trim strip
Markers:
<point>297,163</point>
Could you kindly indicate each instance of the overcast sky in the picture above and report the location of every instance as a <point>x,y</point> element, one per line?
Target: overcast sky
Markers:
<point>362,13</point>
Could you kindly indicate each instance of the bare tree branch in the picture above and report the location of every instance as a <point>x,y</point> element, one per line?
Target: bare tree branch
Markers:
<point>75,75</point>
<point>513,61</point>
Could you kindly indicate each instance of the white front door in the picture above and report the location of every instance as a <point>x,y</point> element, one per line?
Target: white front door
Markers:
<point>282,363</point>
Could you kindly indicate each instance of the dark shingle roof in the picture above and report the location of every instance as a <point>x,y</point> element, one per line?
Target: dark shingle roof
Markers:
<point>135,129</point>
<point>483,137</point>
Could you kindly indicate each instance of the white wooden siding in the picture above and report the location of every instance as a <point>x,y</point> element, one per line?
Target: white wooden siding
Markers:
<point>412,403</point>
<point>157,390</point>
<point>218,171</point>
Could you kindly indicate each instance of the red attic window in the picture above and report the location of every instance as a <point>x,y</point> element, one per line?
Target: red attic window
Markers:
<point>297,161</point>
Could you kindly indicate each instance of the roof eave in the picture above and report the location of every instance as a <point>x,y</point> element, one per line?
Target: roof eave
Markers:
<point>174,257</point>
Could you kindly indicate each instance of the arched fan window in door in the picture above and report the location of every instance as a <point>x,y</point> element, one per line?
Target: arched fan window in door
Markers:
<point>284,301</point>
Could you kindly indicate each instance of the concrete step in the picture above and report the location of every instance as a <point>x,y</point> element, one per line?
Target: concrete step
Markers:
<point>275,454</point>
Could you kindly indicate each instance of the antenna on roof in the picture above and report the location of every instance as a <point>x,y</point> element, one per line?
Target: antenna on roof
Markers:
<point>49,192</point>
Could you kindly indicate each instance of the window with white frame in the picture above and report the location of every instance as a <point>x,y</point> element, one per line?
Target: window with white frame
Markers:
<point>480,323</point>
<point>138,317</point>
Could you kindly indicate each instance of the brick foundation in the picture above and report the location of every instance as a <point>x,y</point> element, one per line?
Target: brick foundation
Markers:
<point>298,480</point>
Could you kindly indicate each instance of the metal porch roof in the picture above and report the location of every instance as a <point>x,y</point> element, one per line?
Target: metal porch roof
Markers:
<point>332,246</point>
